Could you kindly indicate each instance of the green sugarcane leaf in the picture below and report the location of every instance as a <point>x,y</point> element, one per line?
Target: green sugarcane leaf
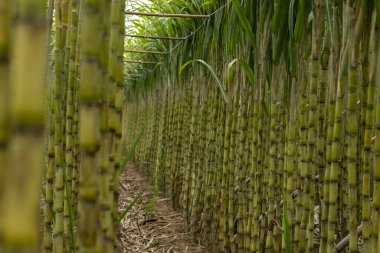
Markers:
<point>184,66</point>
<point>291,18</point>
<point>329,19</point>
<point>287,233</point>
<point>231,71</point>
<point>221,87</point>
<point>280,16</point>
<point>131,151</point>
<point>300,20</point>
<point>280,45</point>
<point>244,21</point>
<point>156,66</point>
<point>247,69</point>
<point>292,58</point>
<point>129,207</point>
<point>377,5</point>
<point>207,4</point>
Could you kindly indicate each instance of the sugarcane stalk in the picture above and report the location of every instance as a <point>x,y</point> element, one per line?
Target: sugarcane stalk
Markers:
<point>89,128</point>
<point>5,127</point>
<point>20,229</point>
<point>376,145</point>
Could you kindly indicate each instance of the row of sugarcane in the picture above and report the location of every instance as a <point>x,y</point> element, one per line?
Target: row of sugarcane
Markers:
<point>81,117</point>
<point>290,160</point>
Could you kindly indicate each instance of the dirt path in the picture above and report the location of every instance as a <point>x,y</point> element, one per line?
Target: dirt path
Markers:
<point>151,228</point>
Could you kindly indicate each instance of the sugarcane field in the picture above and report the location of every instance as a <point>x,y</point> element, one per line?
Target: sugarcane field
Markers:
<point>177,126</point>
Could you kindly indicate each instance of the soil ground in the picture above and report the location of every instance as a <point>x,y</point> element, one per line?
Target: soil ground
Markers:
<point>151,226</point>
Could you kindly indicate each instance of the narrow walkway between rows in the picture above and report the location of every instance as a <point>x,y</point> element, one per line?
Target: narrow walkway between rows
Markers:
<point>151,227</point>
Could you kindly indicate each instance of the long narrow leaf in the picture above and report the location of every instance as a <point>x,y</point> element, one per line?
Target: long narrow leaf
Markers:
<point>288,238</point>
<point>129,207</point>
<point>291,18</point>
<point>184,66</point>
<point>244,21</point>
<point>377,6</point>
<point>247,69</point>
<point>329,19</point>
<point>231,71</point>
<point>212,72</point>
<point>131,151</point>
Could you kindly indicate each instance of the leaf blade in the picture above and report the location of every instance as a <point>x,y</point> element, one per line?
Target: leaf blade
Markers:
<point>129,207</point>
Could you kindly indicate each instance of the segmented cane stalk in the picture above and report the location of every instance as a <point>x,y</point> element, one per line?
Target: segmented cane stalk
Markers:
<point>376,147</point>
<point>231,176</point>
<point>119,104</point>
<point>190,157</point>
<point>224,220</point>
<point>334,56</point>
<point>359,22</point>
<point>272,170</point>
<point>313,116</point>
<point>210,173</point>
<point>322,124</point>
<point>25,89</point>
<point>241,169</point>
<point>335,157</point>
<point>58,240</point>
<point>300,222</point>
<point>89,127</point>
<point>5,41</point>
<point>352,132</point>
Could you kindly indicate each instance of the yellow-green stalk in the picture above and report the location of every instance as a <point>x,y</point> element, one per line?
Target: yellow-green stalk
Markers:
<point>322,126</point>
<point>336,152</point>
<point>290,159</point>
<point>376,147</point>
<point>105,195</point>
<point>112,114</point>
<point>72,45</point>
<point>361,20</point>
<point>58,240</point>
<point>119,103</point>
<point>25,158</point>
<point>217,207</point>
<point>47,241</point>
<point>190,156</point>
<point>251,173</point>
<point>65,37</point>
<point>5,41</point>
<point>224,219</point>
<point>197,205</point>
<point>272,169</point>
<point>89,127</point>
<point>231,172</point>
<point>332,79</point>
<point>209,220</point>
<point>313,116</point>
<point>375,114</point>
<point>255,176</point>
<point>300,220</point>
